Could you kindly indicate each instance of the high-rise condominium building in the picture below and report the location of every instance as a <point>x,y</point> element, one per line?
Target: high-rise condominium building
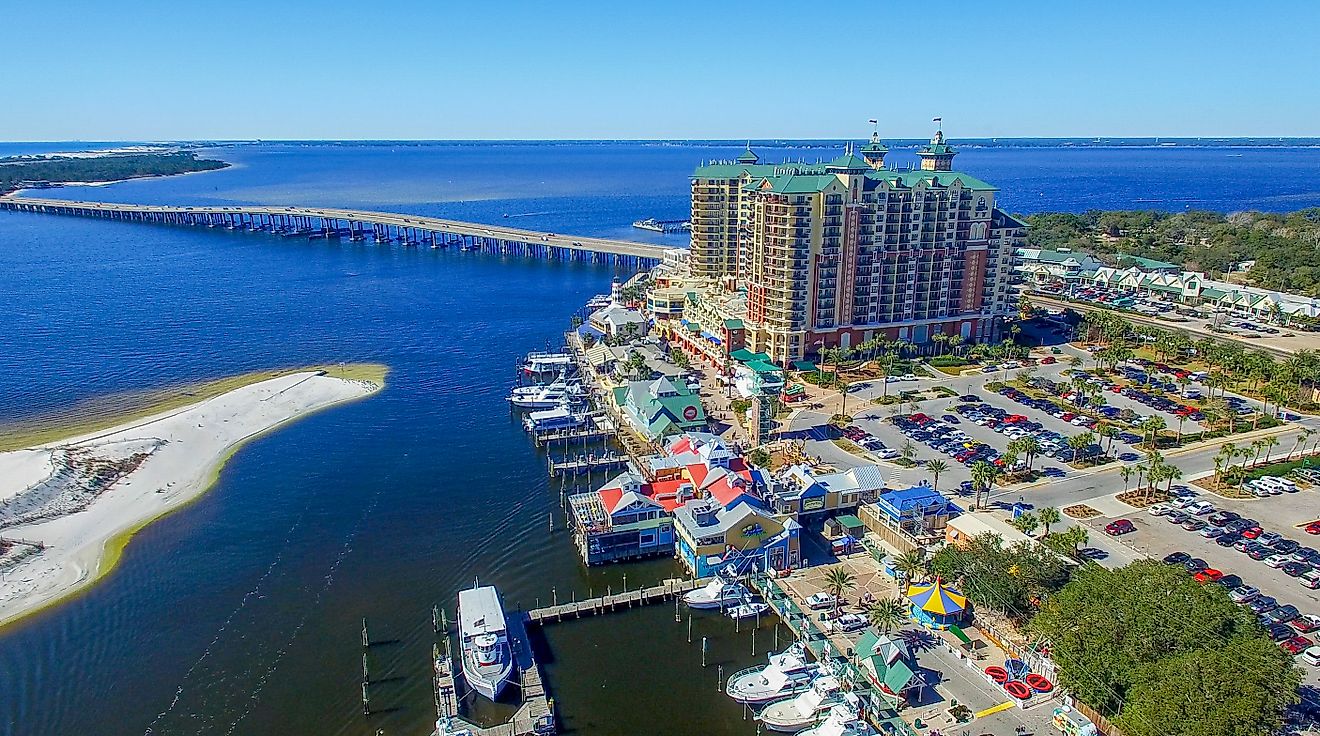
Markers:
<point>837,254</point>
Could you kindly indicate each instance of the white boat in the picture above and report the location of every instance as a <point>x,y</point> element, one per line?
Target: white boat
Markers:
<point>747,609</point>
<point>788,673</point>
<point>545,397</point>
<point>794,714</point>
<point>718,593</point>
<point>560,417</point>
<point>487,658</point>
<point>545,366</point>
<point>845,719</point>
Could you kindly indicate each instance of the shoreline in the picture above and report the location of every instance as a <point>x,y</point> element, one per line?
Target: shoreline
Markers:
<point>169,459</point>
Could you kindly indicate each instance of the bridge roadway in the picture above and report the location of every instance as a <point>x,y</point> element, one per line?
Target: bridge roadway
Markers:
<point>319,222</point>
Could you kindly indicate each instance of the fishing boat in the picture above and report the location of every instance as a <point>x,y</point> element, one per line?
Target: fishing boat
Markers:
<point>845,719</point>
<point>791,715</point>
<point>545,367</point>
<point>788,673</point>
<point>718,593</point>
<point>547,396</point>
<point>487,657</point>
<point>748,608</point>
<point>562,416</point>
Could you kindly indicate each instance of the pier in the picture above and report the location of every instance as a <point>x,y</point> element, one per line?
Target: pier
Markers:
<point>603,604</point>
<point>570,436</point>
<point>318,223</point>
<point>586,464</point>
<point>534,716</point>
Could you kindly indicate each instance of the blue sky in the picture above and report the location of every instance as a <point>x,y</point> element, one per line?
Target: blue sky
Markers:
<point>153,70</point>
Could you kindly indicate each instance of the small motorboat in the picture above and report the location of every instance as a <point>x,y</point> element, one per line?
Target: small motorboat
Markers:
<point>747,609</point>
<point>788,673</point>
<point>794,714</point>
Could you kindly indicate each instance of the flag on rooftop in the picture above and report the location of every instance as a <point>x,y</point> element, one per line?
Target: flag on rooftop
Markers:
<point>873,121</point>
<point>937,120</point>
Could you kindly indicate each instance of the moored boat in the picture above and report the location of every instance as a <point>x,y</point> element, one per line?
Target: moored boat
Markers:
<point>718,593</point>
<point>794,714</point>
<point>487,657</point>
<point>543,367</point>
<point>747,609</point>
<point>788,673</point>
<point>547,396</point>
<point>562,416</point>
<point>845,719</point>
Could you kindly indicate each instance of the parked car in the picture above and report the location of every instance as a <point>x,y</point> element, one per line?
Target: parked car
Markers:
<point>1296,644</point>
<point>1243,594</point>
<point>1208,575</point>
<point>847,623</point>
<point>818,601</point>
<point>1121,526</point>
<point>1176,558</point>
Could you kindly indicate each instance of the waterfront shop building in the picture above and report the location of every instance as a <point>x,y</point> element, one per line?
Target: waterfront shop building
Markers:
<point>710,328</point>
<point>616,320</point>
<point>665,303</point>
<point>887,662</point>
<point>627,518</point>
<point>837,254</point>
<point>808,496</point>
<point>711,536</point>
<point>909,518</point>
<point>661,407</point>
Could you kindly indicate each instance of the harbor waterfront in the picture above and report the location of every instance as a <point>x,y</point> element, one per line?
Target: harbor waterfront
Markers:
<point>247,603</point>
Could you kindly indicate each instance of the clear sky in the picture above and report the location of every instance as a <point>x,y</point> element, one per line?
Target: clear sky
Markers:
<point>155,70</point>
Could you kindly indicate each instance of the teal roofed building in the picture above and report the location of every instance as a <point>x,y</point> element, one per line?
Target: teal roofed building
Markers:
<point>839,253</point>
<point>660,408</point>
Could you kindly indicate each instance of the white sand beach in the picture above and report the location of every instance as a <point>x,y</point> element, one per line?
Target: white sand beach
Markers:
<point>78,498</point>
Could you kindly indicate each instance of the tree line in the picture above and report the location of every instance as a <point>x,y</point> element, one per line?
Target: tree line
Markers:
<point>14,171</point>
<point>1284,246</point>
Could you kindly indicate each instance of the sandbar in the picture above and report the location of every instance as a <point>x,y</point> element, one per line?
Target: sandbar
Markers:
<point>68,506</point>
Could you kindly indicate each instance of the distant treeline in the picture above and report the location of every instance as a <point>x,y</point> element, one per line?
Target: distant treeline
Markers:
<point>1285,247</point>
<point>14,171</point>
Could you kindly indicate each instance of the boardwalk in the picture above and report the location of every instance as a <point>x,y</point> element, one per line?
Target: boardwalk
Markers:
<point>586,463</point>
<point>612,602</point>
<point>360,225</point>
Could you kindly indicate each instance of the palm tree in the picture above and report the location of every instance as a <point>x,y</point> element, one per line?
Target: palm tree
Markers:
<point>983,476</point>
<point>1300,441</point>
<point>910,565</point>
<point>887,614</point>
<point>1270,443</point>
<point>1152,427</point>
<point>1048,517</point>
<point>1127,471</point>
<point>935,467</point>
<point>1029,446</point>
<point>1171,473</point>
<point>839,581</point>
<point>1256,447</point>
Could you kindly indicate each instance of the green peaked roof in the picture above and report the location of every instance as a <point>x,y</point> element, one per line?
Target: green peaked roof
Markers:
<point>748,157</point>
<point>848,161</point>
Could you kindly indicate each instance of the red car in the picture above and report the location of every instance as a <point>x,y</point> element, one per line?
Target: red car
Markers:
<point>1068,416</point>
<point>1313,527</point>
<point>1208,575</point>
<point>1295,645</point>
<point>1048,360</point>
<point>1253,532</point>
<point>1121,526</point>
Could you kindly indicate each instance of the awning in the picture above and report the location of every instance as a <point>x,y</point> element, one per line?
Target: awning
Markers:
<point>803,365</point>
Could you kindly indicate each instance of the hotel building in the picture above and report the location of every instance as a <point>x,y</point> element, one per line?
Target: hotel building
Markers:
<point>839,253</point>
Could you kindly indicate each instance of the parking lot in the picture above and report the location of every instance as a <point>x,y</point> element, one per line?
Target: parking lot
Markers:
<point>1273,532</point>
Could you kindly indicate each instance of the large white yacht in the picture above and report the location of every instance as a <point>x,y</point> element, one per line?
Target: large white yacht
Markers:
<point>487,657</point>
<point>541,367</point>
<point>788,673</point>
<point>794,714</point>
<point>845,719</point>
<point>545,397</point>
<point>722,592</point>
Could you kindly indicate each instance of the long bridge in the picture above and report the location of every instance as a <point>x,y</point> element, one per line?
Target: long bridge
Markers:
<point>361,225</point>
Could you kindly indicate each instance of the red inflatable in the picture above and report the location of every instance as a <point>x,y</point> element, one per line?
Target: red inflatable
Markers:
<point>1017,689</point>
<point>997,673</point>
<point>1039,683</point>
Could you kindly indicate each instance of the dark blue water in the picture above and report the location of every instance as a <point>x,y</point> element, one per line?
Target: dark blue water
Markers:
<point>240,613</point>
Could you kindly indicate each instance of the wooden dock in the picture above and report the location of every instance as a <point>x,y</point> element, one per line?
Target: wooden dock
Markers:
<point>592,434</point>
<point>534,717</point>
<point>612,602</point>
<point>586,463</point>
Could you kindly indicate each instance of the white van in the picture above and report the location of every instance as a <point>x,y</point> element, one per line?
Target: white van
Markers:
<point>1311,656</point>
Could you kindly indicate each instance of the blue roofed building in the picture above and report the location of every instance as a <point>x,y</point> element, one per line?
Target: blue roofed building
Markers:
<point>909,517</point>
